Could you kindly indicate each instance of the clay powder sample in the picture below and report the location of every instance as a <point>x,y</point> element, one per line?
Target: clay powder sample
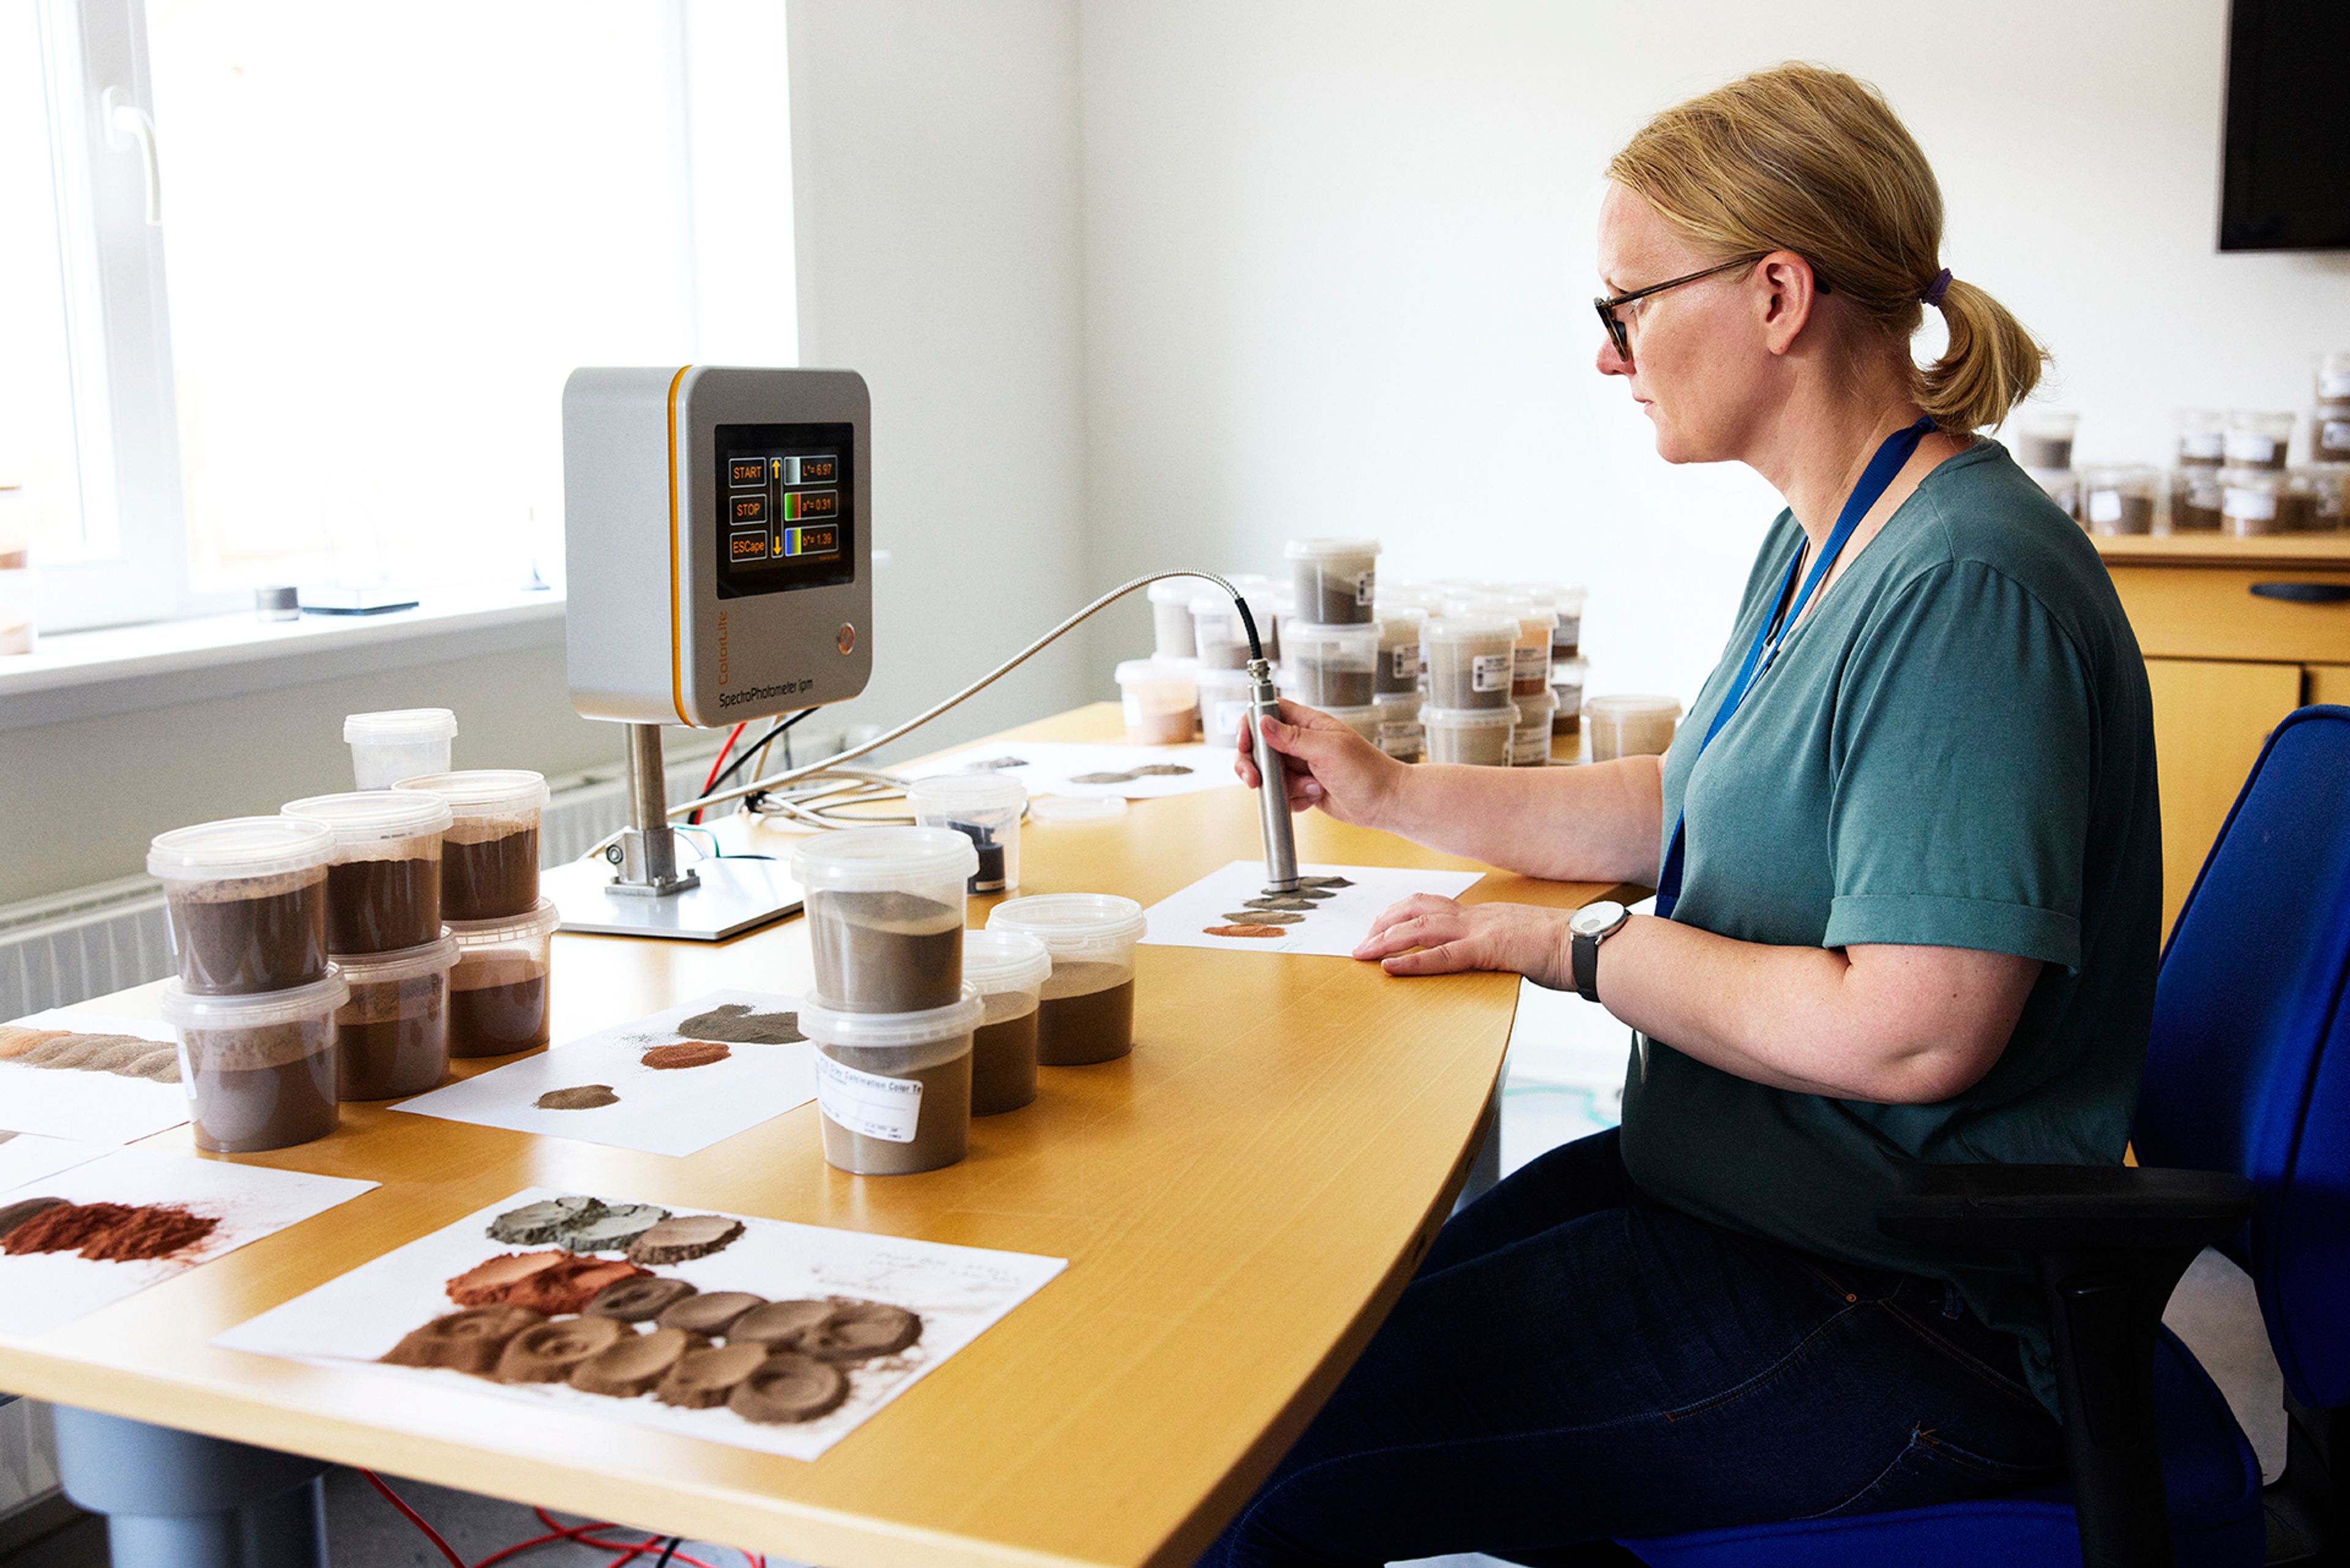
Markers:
<point>691,1054</point>
<point>1324,882</point>
<point>467,1341</point>
<point>487,1283</point>
<point>702,1378</point>
<point>570,1285</point>
<point>639,1300</point>
<point>1250,931</point>
<point>1290,901</point>
<point>613,1229</point>
<point>683,1237</point>
<point>779,1326</point>
<point>537,1224</point>
<point>735,1022</point>
<point>546,1352</point>
<point>634,1364</point>
<point>110,1233</point>
<point>787,1389</point>
<point>16,1213</point>
<point>711,1313</point>
<point>857,1331</point>
<point>1104,778</point>
<point>585,1098</point>
<point>1262,916</point>
<point>1161,771</point>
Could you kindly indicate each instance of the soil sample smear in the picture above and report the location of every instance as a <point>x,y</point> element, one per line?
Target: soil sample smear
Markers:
<point>683,1238</point>
<point>490,880</point>
<point>548,1352</point>
<point>497,1005</point>
<point>585,1097</point>
<point>108,1232</point>
<point>635,1363</point>
<point>860,1331</point>
<point>1262,916</point>
<point>269,1087</point>
<point>885,952</point>
<point>736,1023</point>
<point>711,1313</point>
<point>274,939</point>
<point>568,1284</point>
<point>15,1214</point>
<point>701,1379</point>
<point>787,1389</point>
<point>467,1341</point>
<point>381,906</point>
<point>941,1129</point>
<point>638,1301</point>
<point>779,1326</point>
<point>1248,931</point>
<point>614,1229</point>
<point>487,1283</point>
<point>1003,1066</point>
<point>1086,1014</point>
<point>691,1054</point>
<point>537,1224</point>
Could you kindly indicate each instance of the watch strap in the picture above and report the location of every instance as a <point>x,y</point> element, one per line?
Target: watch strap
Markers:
<point>1583,958</point>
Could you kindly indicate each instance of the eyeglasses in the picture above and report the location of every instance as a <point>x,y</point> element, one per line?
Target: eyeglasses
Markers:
<point>1621,334</point>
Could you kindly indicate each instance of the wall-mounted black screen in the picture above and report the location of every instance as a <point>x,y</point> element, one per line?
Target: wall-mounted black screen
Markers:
<point>2286,183</point>
<point>786,507</point>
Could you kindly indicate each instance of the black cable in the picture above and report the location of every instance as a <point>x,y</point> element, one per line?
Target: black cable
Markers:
<point>669,1552</point>
<point>754,749</point>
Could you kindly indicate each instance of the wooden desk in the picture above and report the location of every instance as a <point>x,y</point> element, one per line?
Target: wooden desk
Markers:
<point>1240,1201</point>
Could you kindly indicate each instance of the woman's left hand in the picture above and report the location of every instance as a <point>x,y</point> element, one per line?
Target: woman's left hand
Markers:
<point>1522,939</point>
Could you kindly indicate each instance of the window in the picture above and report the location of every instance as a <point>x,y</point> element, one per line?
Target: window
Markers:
<point>387,234</point>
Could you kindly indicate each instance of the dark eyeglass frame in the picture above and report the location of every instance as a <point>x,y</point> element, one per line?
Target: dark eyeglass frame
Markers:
<point>1621,334</point>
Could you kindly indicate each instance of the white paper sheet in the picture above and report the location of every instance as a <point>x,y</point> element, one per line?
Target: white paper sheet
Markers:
<point>101,1107</point>
<point>1054,767</point>
<point>39,1291</point>
<point>1333,926</point>
<point>28,1156</point>
<point>960,1291</point>
<point>674,1111</point>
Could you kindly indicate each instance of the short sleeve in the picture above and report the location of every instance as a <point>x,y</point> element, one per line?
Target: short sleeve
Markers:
<point>1964,763</point>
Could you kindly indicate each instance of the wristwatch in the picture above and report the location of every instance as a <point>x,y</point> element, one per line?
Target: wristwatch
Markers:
<point>1590,926</point>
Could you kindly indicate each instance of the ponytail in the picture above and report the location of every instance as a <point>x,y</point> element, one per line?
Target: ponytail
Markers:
<point>1990,365</point>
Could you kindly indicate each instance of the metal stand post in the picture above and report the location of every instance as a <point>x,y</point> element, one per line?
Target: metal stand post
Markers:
<point>648,844</point>
<point>175,1500</point>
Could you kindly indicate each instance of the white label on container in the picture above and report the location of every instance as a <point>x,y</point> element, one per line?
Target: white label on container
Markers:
<point>1403,737</point>
<point>867,1103</point>
<point>1569,695</point>
<point>2252,506</point>
<point>2334,384</point>
<point>1490,671</point>
<point>1232,718</point>
<point>1404,661</point>
<point>2105,506</point>
<point>2336,436</point>
<point>1531,663</point>
<point>1365,587</point>
<point>1529,745</point>
<point>2250,446</point>
<point>2201,444</point>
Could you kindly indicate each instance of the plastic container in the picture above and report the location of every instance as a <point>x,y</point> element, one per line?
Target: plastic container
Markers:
<point>1398,665</point>
<point>2120,498</point>
<point>1223,705</point>
<point>894,1088</point>
<point>398,743</point>
<point>1334,580</point>
<point>246,902</point>
<point>1630,726</point>
<point>20,599</point>
<point>384,882</point>
<point>985,809</point>
<point>2329,433</point>
<point>2202,438</point>
<point>1566,636</point>
<point>2195,496</point>
<point>2258,439</point>
<point>1531,654</point>
<point>2044,437</point>
<point>391,1037</point>
<point>1400,735</point>
<point>2319,496</point>
<point>1330,665</point>
<point>1075,810</point>
<point>488,856</point>
<point>1363,720</point>
<point>1161,700</point>
<point>1170,617</point>
<point>1008,970</point>
<point>1085,1010</point>
<point>1471,660</point>
<point>1566,678</point>
<point>885,916</point>
<point>2063,487</point>
<point>260,1067</point>
<point>1264,606</point>
<point>1217,633</point>
<point>500,991</point>
<point>2250,502</point>
<point>1530,738</point>
<point>1476,736</point>
<point>2333,377</point>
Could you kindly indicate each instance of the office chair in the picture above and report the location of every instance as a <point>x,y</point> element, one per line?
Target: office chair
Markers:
<point>2243,1125</point>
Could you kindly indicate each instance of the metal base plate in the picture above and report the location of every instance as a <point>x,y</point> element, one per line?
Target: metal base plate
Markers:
<point>734,896</point>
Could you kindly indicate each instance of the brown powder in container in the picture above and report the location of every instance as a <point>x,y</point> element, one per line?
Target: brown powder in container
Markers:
<point>383,906</point>
<point>497,1005</point>
<point>269,1087</point>
<point>1003,1066</point>
<point>488,879</point>
<point>247,934</point>
<point>1086,1014</point>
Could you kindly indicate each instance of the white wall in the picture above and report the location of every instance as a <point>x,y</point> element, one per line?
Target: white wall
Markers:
<point>1339,256</point>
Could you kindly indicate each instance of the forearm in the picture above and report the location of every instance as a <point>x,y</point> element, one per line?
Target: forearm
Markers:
<point>1594,824</point>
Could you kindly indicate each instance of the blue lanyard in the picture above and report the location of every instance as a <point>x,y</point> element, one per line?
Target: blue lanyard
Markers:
<point>1768,637</point>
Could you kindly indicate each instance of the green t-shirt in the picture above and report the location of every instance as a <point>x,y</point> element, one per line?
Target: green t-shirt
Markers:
<point>1955,748</point>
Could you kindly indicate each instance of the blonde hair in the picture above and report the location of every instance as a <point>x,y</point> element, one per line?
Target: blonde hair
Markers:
<point>1808,160</point>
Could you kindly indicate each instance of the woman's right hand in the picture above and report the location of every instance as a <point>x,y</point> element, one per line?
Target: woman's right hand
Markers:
<point>1326,763</point>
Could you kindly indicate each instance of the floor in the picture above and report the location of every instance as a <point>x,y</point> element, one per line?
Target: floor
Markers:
<point>1565,1081</point>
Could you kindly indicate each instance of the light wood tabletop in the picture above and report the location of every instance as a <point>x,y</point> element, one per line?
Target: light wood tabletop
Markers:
<point>1240,1201</point>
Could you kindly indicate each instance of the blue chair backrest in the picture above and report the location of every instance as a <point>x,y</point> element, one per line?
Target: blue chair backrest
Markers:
<point>2249,1068</point>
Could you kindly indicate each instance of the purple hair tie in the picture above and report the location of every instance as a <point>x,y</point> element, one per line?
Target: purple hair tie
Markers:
<point>1934,290</point>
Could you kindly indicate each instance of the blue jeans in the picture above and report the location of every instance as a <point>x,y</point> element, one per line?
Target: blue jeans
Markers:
<point>1576,1362</point>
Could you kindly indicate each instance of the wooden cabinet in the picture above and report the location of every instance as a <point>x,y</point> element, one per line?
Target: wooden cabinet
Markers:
<point>2237,633</point>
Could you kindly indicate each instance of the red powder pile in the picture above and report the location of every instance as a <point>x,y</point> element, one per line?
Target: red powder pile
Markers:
<point>111,1232</point>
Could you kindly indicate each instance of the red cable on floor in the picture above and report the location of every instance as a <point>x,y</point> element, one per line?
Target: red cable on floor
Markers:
<point>582,1535</point>
<point>415,1519</point>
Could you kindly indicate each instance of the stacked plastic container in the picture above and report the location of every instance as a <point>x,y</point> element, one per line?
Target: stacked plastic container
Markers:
<point>1086,1011</point>
<point>499,991</point>
<point>1471,659</point>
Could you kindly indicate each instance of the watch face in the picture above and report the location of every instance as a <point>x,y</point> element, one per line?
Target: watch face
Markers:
<point>1593,918</point>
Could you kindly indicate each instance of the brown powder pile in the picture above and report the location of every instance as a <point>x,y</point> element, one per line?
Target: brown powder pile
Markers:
<point>734,1021</point>
<point>692,1053</point>
<point>1243,931</point>
<point>111,1232</point>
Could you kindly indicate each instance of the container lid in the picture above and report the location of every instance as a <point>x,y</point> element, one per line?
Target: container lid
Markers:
<point>1154,671</point>
<point>1064,922</point>
<point>1549,699</point>
<point>1629,707</point>
<point>1004,960</point>
<point>484,791</point>
<point>1500,718</point>
<point>255,1009</point>
<point>239,847</point>
<point>1174,591</point>
<point>1396,700</point>
<point>968,792</point>
<point>1321,632</point>
<point>1388,614</point>
<point>1326,549</point>
<point>363,817</point>
<point>1066,810</point>
<point>2252,478</point>
<point>1357,717</point>
<point>507,929</point>
<point>880,857</point>
<point>2107,474</point>
<point>402,724</point>
<point>1476,627</point>
<point>401,964</point>
<point>870,1031</point>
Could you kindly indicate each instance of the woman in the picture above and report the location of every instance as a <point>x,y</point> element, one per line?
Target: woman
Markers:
<point>1910,824</point>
